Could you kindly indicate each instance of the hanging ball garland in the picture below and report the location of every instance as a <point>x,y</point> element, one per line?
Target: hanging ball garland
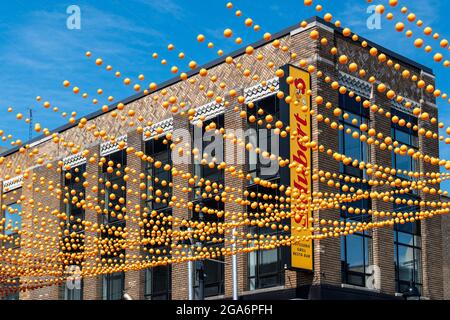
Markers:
<point>269,119</point>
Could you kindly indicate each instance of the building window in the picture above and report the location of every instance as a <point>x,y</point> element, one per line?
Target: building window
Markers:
<point>158,283</point>
<point>73,293</point>
<point>407,251</point>
<point>113,286</point>
<point>208,152</point>
<point>13,220</point>
<point>159,179</point>
<point>265,267</point>
<point>159,193</point>
<point>406,136</point>
<point>349,146</point>
<point>209,272</point>
<point>208,206</point>
<point>74,196</point>
<point>12,215</point>
<point>261,118</point>
<point>72,289</point>
<point>114,210</point>
<point>73,243</point>
<point>356,248</point>
<point>115,195</point>
<point>9,288</point>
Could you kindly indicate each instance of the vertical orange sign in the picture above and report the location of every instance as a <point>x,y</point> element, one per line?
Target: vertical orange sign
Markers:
<point>300,122</point>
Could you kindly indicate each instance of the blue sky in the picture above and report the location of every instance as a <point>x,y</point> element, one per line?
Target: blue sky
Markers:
<point>38,52</point>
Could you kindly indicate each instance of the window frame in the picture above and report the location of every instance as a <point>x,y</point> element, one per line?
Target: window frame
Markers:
<point>255,170</point>
<point>197,168</point>
<point>412,143</point>
<point>356,109</point>
<point>107,280</point>
<point>365,237</point>
<point>15,236</point>
<point>197,199</point>
<point>122,186</point>
<point>149,273</point>
<point>218,285</point>
<point>80,189</point>
<point>255,277</point>
<point>416,236</point>
<point>151,171</point>
<point>11,296</point>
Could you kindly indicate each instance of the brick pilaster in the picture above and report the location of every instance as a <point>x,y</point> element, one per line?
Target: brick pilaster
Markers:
<point>382,238</point>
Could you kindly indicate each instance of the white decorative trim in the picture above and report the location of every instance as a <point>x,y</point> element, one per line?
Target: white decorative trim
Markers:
<point>324,60</point>
<point>424,73</point>
<point>312,25</point>
<point>74,161</point>
<point>12,184</point>
<point>208,111</point>
<point>317,58</point>
<point>259,91</point>
<point>166,125</point>
<point>359,86</point>
<point>109,147</point>
<point>36,143</point>
<point>320,24</point>
<point>401,105</point>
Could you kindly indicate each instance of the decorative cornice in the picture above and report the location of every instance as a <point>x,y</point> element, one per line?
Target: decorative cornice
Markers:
<point>208,111</point>
<point>359,86</point>
<point>401,105</point>
<point>74,161</point>
<point>312,25</point>
<point>12,184</point>
<point>431,104</point>
<point>41,141</point>
<point>152,131</point>
<point>110,147</point>
<point>429,75</point>
<point>259,91</point>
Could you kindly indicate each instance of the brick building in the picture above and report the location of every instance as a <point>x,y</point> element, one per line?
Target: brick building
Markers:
<point>381,263</point>
<point>446,251</point>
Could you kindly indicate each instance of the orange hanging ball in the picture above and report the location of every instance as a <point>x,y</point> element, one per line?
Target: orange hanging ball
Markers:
<point>380,9</point>
<point>418,43</point>
<point>393,3</point>
<point>227,33</point>
<point>400,26</point>
<point>314,35</point>
<point>438,57</point>
<point>200,38</point>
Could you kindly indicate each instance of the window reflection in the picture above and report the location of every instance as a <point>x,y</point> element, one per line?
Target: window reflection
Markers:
<point>407,253</point>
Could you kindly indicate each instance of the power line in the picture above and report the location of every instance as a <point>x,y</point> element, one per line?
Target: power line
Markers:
<point>30,125</point>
